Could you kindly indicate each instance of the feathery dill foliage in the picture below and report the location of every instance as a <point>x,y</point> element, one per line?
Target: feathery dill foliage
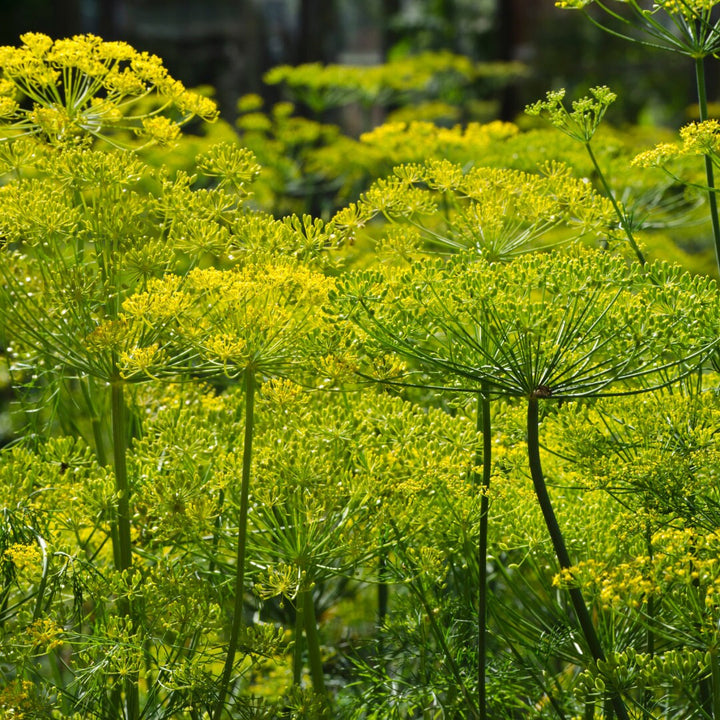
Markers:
<point>574,324</point>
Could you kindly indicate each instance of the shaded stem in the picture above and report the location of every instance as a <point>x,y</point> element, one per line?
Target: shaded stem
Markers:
<point>383,597</point>
<point>298,648</point>
<point>313,645</point>
<point>483,425</point>
<point>715,676</point>
<point>117,399</point>
<point>709,171</point>
<point>237,618</point>
<point>589,711</point>
<point>558,541</point>
<point>123,552</point>
<point>96,424</point>
<point>618,211</point>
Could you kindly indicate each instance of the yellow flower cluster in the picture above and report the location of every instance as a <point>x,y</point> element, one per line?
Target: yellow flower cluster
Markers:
<point>45,635</point>
<point>23,556</point>
<point>682,558</point>
<point>415,141</point>
<point>16,700</point>
<point>583,119</point>
<point>690,9</point>
<point>697,139</point>
<point>141,359</point>
<point>84,86</point>
<point>495,212</point>
<point>258,315</point>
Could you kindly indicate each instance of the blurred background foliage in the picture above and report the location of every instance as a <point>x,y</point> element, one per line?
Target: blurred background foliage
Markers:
<point>230,44</point>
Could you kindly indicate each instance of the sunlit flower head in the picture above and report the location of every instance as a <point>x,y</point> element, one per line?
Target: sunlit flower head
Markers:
<point>83,86</point>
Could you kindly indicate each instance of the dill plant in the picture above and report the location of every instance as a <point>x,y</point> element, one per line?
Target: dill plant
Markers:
<point>406,80</point>
<point>656,457</point>
<point>84,232</point>
<point>581,124</point>
<point>543,326</point>
<point>495,213</point>
<point>258,321</point>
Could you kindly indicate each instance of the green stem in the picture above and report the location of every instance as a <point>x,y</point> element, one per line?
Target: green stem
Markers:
<point>298,647</point>
<point>216,532</point>
<point>383,597</point>
<point>618,210</point>
<point>237,619</point>
<point>589,713</point>
<point>97,428</point>
<point>123,553</point>
<point>650,633</point>
<point>715,675</point>
<point>483,425</point>
<point>576,597</point>
<point>121,478</point>
<point>313,645</point>
<point>709,172</point>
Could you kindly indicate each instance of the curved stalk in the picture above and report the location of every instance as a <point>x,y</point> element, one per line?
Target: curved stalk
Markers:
<point>558,541</point>
<point>709,171</point>
<point>237,620</point>
<point>483,425</point>
<point>618,211</point>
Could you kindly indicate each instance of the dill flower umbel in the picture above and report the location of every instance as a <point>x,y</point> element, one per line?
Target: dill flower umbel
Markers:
<point>84,86</point>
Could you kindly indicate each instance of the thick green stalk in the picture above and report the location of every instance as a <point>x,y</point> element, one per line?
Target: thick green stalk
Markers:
<point>589,713</point>
<point>313,645</point>
<point>715,676</point>
<point>237,620</point>
<point>576,597</point>
<point>123,552</point>
<point>483,425</point>
<point>383,597</point>
<point>709,171</point>
<point>298,647</point>
<point>121,478</point>
<point>622,217</point>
